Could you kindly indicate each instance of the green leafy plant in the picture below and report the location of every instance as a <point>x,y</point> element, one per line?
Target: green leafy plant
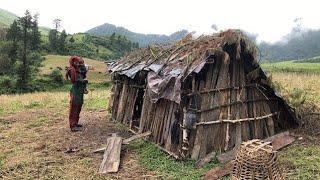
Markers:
<point>56,76</point>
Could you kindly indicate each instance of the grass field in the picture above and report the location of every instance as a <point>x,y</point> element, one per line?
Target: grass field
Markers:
<point>301,160</point>
<point>95,75</point>
<point>35,139</point>
<point>292,66</point>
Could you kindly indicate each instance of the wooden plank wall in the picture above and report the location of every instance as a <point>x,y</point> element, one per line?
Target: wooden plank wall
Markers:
<point>115,99</point>
<point>208,138</point>
<point>158,118</point>
<point>240,101</point>
<point>124,98</point>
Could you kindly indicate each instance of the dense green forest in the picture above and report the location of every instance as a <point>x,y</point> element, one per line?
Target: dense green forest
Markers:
<point>85,45</point>
<point>20,55</point>
<point>23,46</point>
<point>142,39</point>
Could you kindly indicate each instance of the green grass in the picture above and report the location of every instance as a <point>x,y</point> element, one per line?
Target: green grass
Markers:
<point>41,121</point>
<point>10,104</point>
<point>292,66</point>
<point>97,74</point>
<point>310,60</point>
<point>167,167</point>
<point>304,161</point>
<point>2,158</point>
<point>95,102</point>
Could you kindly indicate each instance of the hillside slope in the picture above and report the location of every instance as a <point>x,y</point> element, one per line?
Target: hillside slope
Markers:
<point>99,47</point>
<point>7,18</point>
<point>96,74</point>
<point>142,39</point>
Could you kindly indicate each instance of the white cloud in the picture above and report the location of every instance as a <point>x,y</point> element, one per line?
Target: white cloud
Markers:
<point>271,19</point>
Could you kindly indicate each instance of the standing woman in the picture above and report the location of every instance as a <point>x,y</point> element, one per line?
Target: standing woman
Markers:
<point>76,93</point>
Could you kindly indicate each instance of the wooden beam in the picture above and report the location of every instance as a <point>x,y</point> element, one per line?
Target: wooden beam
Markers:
<point>236,120</point>
<point>201,162</point>
<point>219,171</point>
<point>135,137</point>
<point>126,141</point>
<point>111,157</point>
<point>167,151</point>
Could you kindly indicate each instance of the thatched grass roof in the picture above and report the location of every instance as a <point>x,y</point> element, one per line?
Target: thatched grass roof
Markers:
<point>183,56</point>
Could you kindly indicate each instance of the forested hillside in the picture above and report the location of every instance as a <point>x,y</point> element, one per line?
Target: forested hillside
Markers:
<point>299,44</point>
<point>101,48</point>
<point>142,39</point>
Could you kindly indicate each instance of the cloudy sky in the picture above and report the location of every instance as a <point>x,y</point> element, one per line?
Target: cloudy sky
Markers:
<point>270,19</point>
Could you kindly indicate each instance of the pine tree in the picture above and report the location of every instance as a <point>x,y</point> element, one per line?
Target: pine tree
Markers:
<point>62,42</point>
<point>53,40</point>
<point>13,36</point>
<point>26,35</point>
<point>26,24</point>
<point>35,36</point>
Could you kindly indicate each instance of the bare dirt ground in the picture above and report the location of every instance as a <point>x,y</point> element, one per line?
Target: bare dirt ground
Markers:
<point>37,144</point>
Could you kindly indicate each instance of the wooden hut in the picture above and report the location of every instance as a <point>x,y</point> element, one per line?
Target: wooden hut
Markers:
<point>198,95</point>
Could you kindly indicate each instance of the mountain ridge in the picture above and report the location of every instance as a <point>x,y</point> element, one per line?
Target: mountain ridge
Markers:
<point>142,39</point>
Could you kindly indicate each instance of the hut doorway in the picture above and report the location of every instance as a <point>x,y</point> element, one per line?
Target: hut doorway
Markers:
<point>137,110</point>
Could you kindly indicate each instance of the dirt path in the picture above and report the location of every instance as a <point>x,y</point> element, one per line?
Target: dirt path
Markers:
<point>33,145</point>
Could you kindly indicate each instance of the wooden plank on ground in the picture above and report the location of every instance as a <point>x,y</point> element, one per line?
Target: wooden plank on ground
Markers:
<point>227,156</point>
<point>201,162</point>
<point>111,157</point>
<point>280,143</point>
<point>135,137</point>
<point>126,141</point>
<point>219,172</point>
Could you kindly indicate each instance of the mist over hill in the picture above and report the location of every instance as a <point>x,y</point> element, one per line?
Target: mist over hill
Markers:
<point>298,44</point>
<point>142,39</point>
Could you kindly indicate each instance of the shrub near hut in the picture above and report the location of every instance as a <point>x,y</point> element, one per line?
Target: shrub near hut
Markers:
<point>198,95</point>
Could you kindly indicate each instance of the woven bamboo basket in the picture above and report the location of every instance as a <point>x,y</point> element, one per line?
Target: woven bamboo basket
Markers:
<point>255,159</point>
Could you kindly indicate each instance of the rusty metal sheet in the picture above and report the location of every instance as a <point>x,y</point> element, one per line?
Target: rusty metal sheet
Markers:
<point>132,71</point>
<point>167,87</point>
<point>154,67</point>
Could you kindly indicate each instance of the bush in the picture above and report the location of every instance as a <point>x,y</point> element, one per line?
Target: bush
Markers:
<point>7,84</point>
<point>57,77</point>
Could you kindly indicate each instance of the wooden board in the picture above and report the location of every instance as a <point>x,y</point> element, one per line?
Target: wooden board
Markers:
<point>111,157</point>
<point>208,158</point>
<point>135,137</point>
<point>220,171</point>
